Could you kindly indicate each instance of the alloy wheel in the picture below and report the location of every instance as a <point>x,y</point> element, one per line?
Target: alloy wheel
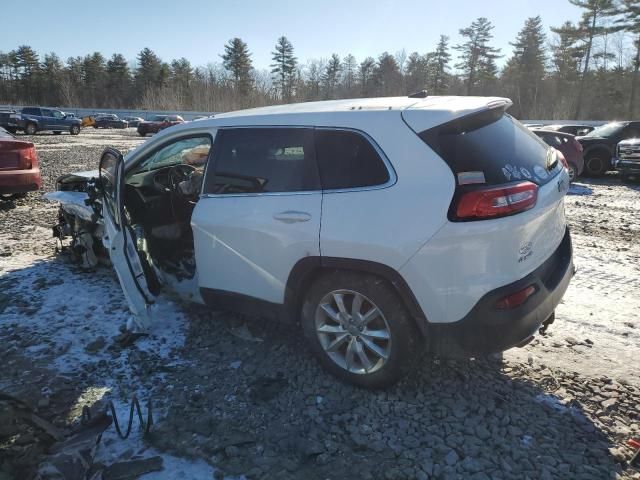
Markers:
<point>353,331</point>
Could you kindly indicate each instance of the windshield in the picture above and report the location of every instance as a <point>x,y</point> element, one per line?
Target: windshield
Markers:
<point>606,130</point>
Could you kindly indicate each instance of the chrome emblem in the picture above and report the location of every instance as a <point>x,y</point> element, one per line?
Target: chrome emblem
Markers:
<point>525,252</point>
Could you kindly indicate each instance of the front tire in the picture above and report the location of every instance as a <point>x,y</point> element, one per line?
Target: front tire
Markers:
<point>573,172</point>
<point>74,130</point>
<point>596,164</point>
<point>359,329</point>
<point>31,129</point>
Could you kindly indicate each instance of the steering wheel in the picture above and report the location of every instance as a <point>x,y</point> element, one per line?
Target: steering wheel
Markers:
<point>180,173</point>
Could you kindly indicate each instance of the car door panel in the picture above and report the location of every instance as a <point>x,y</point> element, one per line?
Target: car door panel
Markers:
<point>119,239</point>
<point>247,243</point>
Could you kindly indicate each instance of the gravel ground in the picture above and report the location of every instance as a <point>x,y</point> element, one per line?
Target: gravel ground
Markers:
<point>238,396</point>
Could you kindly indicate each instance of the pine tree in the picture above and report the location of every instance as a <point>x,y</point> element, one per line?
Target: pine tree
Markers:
<point>349,67</point>
<point>118,80</point>
<point>441,60</point>
<point>52,70</point>
<point>629,21</point>
<point>27,67</point>
<point>416,72</point>
<point>386,76</point>
<point>331,75</point>
<point>283,68</point>
<point>149,72</point>
<point>591,26</point>
<point>525,70</point>
<point>365,76</point>
<point>477,58</point>
<point>237,61</point>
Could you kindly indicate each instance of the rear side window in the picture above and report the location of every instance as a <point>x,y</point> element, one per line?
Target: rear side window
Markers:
<point>492,148</point>
<point>31,111</point>
<point>263,160</point>
<point>347,159</point>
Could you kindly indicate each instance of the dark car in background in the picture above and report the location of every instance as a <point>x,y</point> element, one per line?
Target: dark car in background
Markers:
<point>567,145</point>
<point>19,167</point>
<point>133,121</point>
<point>573,129</point>
<point>157,123</point>
<point>36,119</point>
<point>109,120</point>
<point>599,145</point>
<point>9,120</point>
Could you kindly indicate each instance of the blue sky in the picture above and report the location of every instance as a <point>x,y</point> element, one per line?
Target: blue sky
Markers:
<point>198,29</point>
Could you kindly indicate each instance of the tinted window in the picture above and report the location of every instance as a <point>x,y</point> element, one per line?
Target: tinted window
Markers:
<point>260,160</point>
<point>31,111</point>
<point>492,148</point>
<point>348,160</point>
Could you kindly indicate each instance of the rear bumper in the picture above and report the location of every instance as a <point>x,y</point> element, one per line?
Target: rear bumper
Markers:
<point>486,329</point>
<point>20,181</point>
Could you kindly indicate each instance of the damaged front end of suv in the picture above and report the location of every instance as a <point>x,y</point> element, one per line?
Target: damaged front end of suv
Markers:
<point>80,228</point>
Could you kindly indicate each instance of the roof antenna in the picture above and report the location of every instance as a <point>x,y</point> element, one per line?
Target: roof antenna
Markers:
<point>420,94</point>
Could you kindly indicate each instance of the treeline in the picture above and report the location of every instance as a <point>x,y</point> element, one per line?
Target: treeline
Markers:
<point>584,69</point>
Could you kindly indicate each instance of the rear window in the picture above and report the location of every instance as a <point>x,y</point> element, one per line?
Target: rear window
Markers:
<point>492,148</point>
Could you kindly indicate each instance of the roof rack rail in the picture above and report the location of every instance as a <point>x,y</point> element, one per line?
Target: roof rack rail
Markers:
<point>420,94</point>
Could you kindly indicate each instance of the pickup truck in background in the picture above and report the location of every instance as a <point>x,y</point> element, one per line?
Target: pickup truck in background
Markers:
<point>36,119</point>
<point>627,159</point>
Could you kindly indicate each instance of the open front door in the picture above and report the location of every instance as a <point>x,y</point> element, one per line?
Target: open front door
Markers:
<point>119,239</point>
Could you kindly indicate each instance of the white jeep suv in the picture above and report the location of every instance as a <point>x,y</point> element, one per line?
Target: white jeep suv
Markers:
<point>383,226</point>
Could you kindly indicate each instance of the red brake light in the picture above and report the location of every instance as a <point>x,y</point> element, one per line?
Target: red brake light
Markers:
<point>515,299</point>
<point>577,144</point>
<point>493,202</point>
<point>562,159</point>
<point>29,157</point>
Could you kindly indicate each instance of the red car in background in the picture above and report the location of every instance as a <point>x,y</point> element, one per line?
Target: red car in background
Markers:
<point>567,144</point>
<point>19,168</point>
<point>157,123</point>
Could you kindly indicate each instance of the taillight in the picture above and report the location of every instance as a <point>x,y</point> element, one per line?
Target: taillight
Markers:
<point>29,158</point>
<point>494,202</point>
<point>515,299</point>
<point>563,160</point>
<point>577,144</point>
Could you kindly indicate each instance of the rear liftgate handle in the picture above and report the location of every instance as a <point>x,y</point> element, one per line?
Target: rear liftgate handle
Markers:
<point>292,216</point>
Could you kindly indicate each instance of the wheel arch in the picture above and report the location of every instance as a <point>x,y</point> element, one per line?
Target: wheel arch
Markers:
<point>308,269</point>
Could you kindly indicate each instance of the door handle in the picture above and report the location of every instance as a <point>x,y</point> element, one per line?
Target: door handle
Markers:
<point>292,216</point>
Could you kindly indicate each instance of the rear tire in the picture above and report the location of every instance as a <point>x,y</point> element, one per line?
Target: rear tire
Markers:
<point>573,172</point>
<point>371,341</point>
<point>74,130</point>
<point>31,129</point>
<point>596,164</point>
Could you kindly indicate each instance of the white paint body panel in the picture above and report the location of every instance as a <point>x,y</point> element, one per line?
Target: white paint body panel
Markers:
<point>464,261</point>
<point>242,247</point>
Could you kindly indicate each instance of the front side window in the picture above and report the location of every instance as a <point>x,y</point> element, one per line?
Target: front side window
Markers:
<point>263,160</point>
<point>47,113</point>
<point>346,159</point>
<point>57,114</point>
